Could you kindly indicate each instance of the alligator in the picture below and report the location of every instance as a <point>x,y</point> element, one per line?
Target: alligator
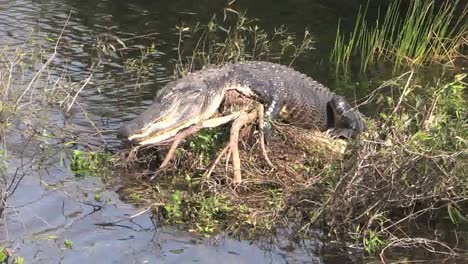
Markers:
<point>284,92</point>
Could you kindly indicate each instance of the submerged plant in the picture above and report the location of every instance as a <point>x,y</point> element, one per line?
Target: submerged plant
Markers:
<point>429,32</point>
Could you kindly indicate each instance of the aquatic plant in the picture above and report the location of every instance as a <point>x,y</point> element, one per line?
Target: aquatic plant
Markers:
<point>172,208</point>
<point>429,32</point>
<point>18,260</point>
<point>206,143</point>
<point>68,244</point>
<point>372,242</point>
<point>90,163</point>
<point>31,89</point>
<point>135,197</point>
<point>413,160</point>
<point>4,254</point>
<point>198,212</point>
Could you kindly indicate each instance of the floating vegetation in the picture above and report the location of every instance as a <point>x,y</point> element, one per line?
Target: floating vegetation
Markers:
<point>89,163</point>
<point>68,244</point>
<point>429,32</point>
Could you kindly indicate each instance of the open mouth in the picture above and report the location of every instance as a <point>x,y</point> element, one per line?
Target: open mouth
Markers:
<point>165,118</point>
<point>153,134</point>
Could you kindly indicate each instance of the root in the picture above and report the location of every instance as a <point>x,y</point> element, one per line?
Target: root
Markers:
<point>261,120</point>
<point>175,143</point>
<point>232,148</point>
<point>218,158</point>
<point>177,139</point>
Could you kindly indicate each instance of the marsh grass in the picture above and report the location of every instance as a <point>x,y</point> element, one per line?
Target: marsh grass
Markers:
<point>429,32</point>
<point>409,168</point>
<point>236,38</point>
<point>32,92</point>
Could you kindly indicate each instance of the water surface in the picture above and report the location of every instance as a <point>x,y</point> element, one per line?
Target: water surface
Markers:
<point>51,205</point>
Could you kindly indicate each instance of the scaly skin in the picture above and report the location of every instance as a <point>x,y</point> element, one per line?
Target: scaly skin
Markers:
<point>298,99</point>
<point>286,93</point>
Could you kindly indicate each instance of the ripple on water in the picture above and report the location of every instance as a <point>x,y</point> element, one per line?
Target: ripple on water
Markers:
<point>51,205</point>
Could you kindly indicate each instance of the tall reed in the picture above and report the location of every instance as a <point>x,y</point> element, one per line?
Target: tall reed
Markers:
<point>427,33</point>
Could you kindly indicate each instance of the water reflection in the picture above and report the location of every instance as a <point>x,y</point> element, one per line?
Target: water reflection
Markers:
<point>51,204</point>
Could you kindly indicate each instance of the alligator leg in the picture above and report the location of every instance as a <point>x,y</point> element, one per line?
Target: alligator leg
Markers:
<point>343,122</point>
<point>271,112</point>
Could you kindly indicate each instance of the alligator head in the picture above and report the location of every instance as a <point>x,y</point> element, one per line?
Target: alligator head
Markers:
<point>177,106</point>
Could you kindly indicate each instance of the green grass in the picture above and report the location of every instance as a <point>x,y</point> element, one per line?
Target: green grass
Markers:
<point>427,33</point>
<point>236,38</point>
<point>411,162</point>
<point>201,213</point>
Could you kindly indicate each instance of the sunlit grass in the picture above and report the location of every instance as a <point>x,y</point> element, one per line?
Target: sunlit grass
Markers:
<point>427,33</point>
<point>237,38</point>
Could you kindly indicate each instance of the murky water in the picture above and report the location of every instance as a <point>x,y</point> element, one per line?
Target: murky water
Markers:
<point>51,205</point>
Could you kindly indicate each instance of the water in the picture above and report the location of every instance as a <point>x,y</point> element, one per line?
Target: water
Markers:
<point>51,205</point>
